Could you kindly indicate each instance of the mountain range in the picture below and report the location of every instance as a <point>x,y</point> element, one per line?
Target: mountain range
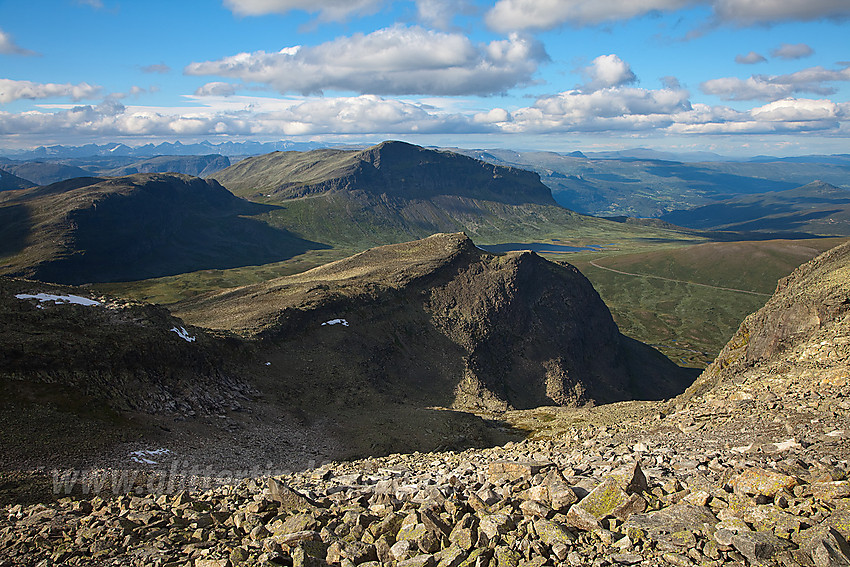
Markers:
<point>642,187</point>
<point>47,172</point>
<point>164,148</point>
<point>816,208</point>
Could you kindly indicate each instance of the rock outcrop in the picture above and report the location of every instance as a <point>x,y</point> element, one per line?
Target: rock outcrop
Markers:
<point>799,340</point>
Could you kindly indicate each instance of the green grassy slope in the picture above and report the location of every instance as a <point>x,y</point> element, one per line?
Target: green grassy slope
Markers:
<point>688,322</point>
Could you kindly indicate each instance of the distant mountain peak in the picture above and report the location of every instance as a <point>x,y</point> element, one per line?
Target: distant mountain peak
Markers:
<point>392,168</point>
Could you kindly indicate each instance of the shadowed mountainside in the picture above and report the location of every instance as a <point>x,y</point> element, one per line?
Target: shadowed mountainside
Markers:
<point>140,226</point>
<point>440,321</point>
<point>12,181</point>
<point>44,172</point>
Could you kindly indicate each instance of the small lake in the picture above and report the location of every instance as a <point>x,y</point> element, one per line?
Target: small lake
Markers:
<point>536,247</point>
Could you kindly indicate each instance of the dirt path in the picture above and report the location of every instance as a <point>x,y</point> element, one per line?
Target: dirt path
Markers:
<point>595,265</point>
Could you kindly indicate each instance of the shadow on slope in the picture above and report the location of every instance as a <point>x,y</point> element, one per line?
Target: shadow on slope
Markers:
<point>141,226</point>
<point>15,226</point>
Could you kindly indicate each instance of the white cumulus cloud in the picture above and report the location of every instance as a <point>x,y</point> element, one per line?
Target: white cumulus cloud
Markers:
<point>774,87</point>
<point>391,61</point>
<point>11,90</point>
<point>364,114</point>
<point>611,109</point>
<point>216,88</point>
<point>607,71</point>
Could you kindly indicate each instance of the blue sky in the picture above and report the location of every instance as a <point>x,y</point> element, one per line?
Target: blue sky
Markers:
<point>730,76</point>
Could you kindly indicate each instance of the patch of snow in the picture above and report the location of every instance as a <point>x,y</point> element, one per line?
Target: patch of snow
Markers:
<point>268,364</point>
<point>183,334</point>
<point>342,322</point>
<point>59,299</point>
<point>786,445</point>
<point>144,456</point>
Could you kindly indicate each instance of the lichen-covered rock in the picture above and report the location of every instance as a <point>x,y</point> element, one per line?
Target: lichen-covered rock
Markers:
<point>762,482</point>
<point>604,499</point>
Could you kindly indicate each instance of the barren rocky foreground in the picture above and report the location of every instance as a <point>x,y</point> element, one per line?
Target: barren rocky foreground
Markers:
<point>749,467</point>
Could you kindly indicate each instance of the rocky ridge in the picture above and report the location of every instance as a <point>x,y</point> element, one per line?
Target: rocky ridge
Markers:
<point>132,355</point>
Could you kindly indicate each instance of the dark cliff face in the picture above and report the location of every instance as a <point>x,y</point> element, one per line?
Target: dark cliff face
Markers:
<point>811,307</point>
<point>440,322</point>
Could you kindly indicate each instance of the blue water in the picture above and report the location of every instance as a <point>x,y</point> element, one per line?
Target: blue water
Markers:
<point>536,247</point>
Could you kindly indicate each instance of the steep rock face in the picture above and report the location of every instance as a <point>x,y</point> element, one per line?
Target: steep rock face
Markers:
<point>438,321</point>
<point>800,338</point>
<point>395,169</point>
<point>145,225</point>
<point>132,356</point>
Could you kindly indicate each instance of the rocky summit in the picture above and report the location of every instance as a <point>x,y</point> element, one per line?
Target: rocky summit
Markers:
<point>750,467</point>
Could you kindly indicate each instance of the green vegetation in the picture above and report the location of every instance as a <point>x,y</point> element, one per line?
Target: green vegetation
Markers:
<point>691,323</point>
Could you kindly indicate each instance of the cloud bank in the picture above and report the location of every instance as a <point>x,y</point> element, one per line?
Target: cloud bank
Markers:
<point>516,15</point>
<point>11,91</point>
<point>393,61</point>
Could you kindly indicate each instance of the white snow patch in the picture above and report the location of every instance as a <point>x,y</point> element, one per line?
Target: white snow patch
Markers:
<point>60,299</point>
<point>268,364</point>
<point>342,322</point>
<point>145,456</point>
<point>786,445</point>
<point>183,334</point>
